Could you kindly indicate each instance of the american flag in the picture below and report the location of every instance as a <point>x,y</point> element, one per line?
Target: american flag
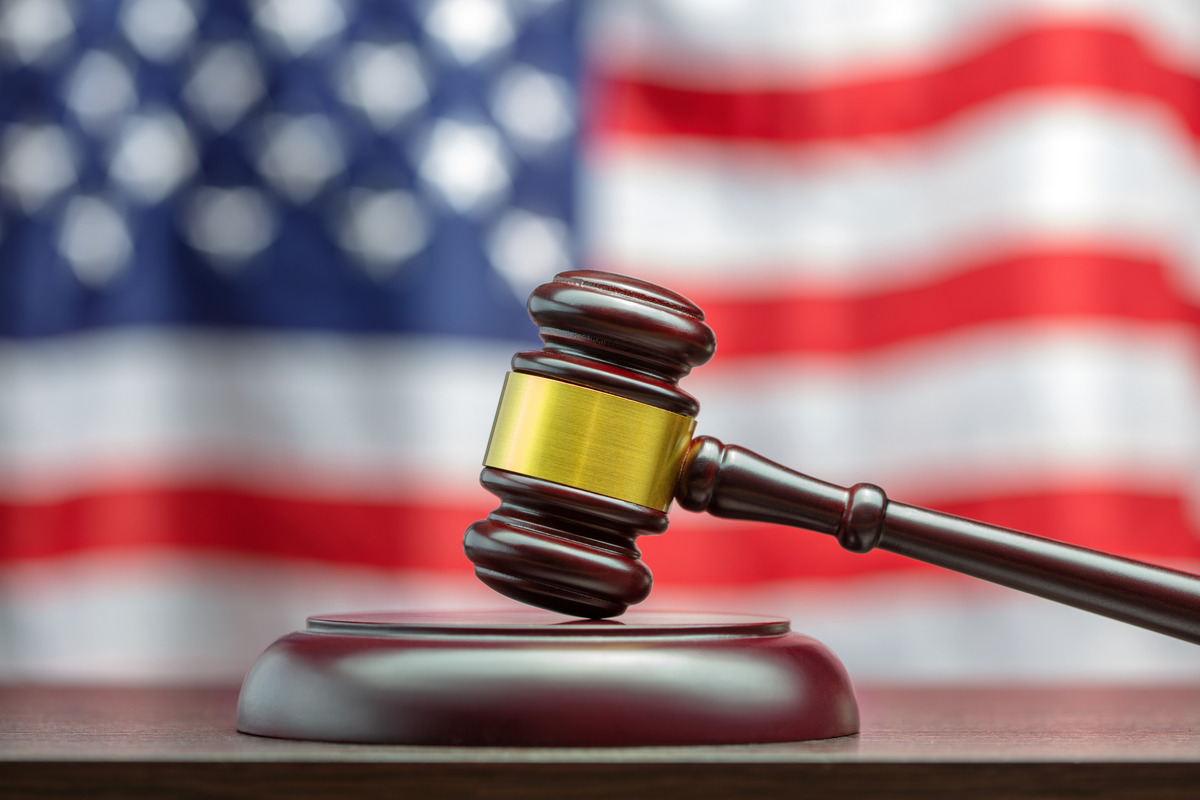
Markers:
<point>263,265</point>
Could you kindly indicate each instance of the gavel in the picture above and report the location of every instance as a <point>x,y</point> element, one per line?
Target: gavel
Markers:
<point>593,439</point>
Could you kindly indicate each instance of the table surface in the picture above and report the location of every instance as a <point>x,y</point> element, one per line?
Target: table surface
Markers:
<point>1141,742</point>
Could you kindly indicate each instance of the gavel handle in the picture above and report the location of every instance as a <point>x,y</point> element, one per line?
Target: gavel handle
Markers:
<point>732,482</point>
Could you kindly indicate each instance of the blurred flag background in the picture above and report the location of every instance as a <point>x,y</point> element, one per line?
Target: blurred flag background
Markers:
<point>263,265</point>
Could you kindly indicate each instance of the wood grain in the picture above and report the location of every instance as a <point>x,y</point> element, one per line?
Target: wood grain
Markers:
<point>916,742</point>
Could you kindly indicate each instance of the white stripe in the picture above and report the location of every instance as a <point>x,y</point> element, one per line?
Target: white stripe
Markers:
<point>948,628</point>
<point>176,618</point>
<point>797,42</point>
<point>969,415</point>
<point>186,617</point>
<point>296,412</point>
<point>1041,168</point>
<point>999,410</point>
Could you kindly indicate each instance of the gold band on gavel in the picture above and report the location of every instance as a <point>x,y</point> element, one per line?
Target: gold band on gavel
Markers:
<point>588,439</point>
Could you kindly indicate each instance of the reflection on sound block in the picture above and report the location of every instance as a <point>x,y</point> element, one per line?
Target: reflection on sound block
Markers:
<point>532,678</point>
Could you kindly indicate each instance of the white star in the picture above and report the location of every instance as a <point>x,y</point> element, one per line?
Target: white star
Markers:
<point>227,81</point>
<point>466,163</point>
<point>35,29</point>
<point>300,155</point>
<point>534,107</point>
<point>154,155</point>
<point>470,29</point>
<point>94,239</point>
<point>528,249</point>
<point>383,228</point>
<point>229,225</point>
<point>300,25</point>
<point>100,90</point>
<point>37,163</point>
<point>385,81</point>
<point>158,29</point>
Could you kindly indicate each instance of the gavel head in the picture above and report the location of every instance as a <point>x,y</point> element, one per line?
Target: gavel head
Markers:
<point>587,443</point>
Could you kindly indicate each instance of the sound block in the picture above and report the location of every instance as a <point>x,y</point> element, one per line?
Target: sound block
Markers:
<point>532,678</point>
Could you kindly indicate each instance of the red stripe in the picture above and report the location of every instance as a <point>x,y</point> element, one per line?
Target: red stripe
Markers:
<point>1087,58</point>
<point>1067,284</point>
<point>696,551</point>
<point>388,535</point>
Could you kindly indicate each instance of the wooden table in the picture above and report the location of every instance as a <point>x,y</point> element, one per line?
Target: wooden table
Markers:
<point>1139,743</point>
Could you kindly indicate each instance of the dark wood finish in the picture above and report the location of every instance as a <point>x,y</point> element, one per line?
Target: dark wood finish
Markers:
<point>535,678</point>
<point>562,548</point>
<point>1136,743</point>
<point>573,552</point>
<point>732,482</point>
<point>620,335</point>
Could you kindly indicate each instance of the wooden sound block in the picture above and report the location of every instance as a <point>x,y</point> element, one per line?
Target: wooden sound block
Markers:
<point>533,678</point>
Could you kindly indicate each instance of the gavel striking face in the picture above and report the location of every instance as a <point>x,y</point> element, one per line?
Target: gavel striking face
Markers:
<point>593,438</point>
